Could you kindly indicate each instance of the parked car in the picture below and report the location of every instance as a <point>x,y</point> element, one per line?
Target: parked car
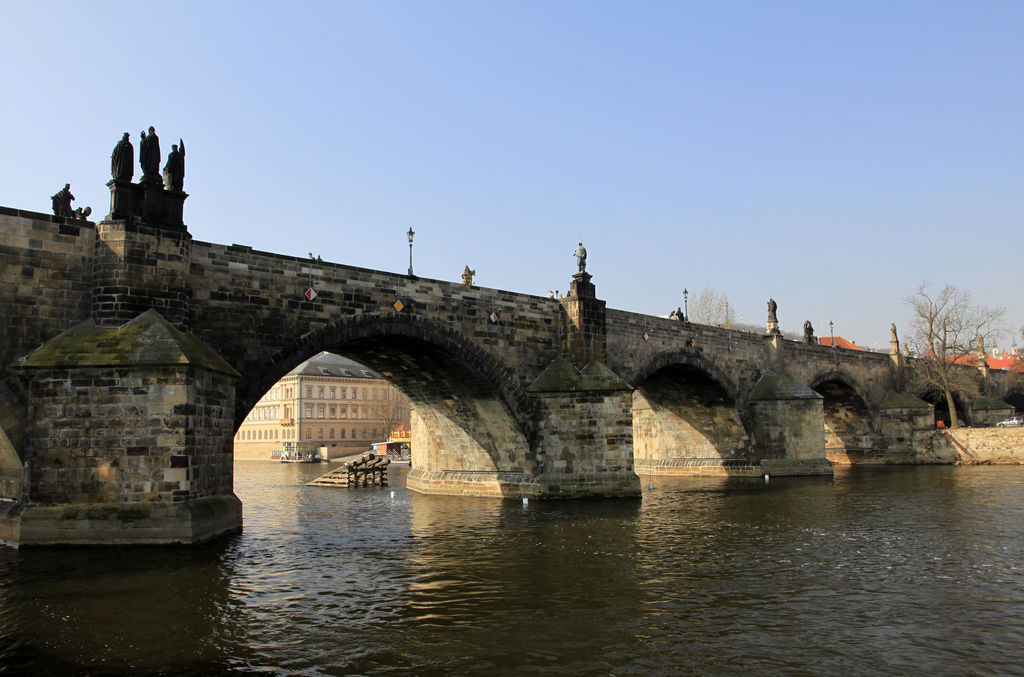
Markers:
<point>1012,422</point>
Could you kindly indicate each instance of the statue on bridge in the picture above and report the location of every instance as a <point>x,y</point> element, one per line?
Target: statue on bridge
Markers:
<point>62,202</point>
<point>809,333</point>
<point>122,160</point>
<point>174,170</point>
<point>467,276</point>
<point>581,258</point>
<point>772,307</point>
<point>149,155</point>
<point>62,205</point>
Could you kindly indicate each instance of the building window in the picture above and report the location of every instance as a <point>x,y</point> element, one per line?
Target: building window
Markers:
<point>342,393</point>
<point>341,433</point>
<point>309,391</point>
<point>332,392</point>
<point>320,411</point>
<point>309,433</point>
<point>331,433</point>
<point>343,411</point>
<point>309,411</point>
<point>334,411</point>
<point>320,392</point>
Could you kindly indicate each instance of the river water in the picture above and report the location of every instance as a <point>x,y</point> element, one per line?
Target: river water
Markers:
<point>914,570</point>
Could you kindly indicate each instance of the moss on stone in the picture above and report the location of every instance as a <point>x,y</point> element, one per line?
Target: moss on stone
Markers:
<point>990,403</point>
<point>904,401</point>
<point>597,376</point>
<point>561,377</point>
<point>781,387</point>
<point>148,339</point>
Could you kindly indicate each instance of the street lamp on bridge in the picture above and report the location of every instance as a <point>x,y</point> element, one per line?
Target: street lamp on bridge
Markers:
<point>686,306</point>
<point>410,235</point>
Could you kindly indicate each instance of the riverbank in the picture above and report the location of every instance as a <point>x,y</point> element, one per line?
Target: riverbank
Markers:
<point>976,446</point>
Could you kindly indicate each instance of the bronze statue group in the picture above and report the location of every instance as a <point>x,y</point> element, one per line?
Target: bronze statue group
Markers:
<point>122,161</point>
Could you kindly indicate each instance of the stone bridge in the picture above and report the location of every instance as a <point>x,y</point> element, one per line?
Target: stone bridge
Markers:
<point>131,353</point>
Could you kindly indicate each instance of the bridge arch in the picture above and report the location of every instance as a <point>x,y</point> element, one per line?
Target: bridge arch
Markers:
<point>686,418</point>
<point>1013,391</point>
<point>468,412</point>
<point>851,433</point>
<point>685,358</point>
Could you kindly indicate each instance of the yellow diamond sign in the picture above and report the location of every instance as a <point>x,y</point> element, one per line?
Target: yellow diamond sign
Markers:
<point>399,305</point>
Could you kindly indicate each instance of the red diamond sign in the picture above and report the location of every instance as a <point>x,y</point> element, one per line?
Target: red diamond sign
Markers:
<point>310,293</point>
<point>494,317</point>
<point>646,336</point>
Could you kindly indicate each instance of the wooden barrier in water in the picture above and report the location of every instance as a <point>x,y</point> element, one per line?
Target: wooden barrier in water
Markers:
<point>368,471</point>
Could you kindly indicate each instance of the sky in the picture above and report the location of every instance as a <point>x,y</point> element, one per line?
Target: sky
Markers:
<point>830,155</point>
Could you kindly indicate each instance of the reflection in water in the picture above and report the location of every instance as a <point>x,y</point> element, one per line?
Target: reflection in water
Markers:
<point>909,570</point>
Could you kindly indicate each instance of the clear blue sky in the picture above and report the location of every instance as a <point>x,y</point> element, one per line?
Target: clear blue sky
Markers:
<point>831,155</point>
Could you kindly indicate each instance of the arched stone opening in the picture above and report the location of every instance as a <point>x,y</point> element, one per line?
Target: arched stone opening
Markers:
<point>941,405</point>
<point>850,436</point>
<point>466,416</point>
<point>685,422</point>
<point>1016,400</point>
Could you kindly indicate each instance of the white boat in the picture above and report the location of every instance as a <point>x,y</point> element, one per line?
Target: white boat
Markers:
<point>300,457</point>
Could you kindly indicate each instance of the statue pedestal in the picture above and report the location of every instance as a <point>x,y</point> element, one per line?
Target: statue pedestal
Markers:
<point>582,287</point>
<point>174,204</point>
<point>146,201</point>
<point>125,199</point>
<point>153,202</point>
<point>772,328</point>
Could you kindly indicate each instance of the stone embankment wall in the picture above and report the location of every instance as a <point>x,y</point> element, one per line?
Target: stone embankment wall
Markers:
<point>970,446</point>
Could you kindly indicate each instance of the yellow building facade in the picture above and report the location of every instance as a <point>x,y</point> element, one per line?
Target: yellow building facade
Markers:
<point>329,402</point>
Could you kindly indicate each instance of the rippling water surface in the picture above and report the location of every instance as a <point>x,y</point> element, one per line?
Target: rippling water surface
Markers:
<point>896,571</point>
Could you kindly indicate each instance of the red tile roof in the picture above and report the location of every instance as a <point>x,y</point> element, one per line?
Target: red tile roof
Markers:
<point>840,343</point>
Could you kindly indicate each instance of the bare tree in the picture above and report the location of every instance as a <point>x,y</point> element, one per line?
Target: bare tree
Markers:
<point>710,307</point>
<point>945,328</point>
<point>393,411</point>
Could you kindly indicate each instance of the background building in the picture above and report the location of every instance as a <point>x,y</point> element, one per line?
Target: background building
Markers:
<point>327,401</point>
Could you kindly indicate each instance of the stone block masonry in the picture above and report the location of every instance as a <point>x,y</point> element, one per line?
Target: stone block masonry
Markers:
<point>128,439</point>
<point>146,348</point>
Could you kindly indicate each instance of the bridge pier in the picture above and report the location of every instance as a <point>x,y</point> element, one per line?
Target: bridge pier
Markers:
<point>128,439</point>
<point>582,445</point>
<point>788,423</point>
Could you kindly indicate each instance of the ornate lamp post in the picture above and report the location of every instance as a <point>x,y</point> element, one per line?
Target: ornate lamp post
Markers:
<point>831,333</point>
<point>686,306</point>
<point>410,235</point>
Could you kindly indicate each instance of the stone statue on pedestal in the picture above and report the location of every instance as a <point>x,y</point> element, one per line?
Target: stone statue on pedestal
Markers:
<point>809,333</point>
<point>772,307</point>
<point>149,155</point>
<point>174,170</point>
<point>122,160</point>
<point>581,258</point>
<point>467,276</point>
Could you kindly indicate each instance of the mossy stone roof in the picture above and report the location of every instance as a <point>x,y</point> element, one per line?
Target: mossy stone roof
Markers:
<point>148,339</point>
<point>781,387</point>
<point>561,377</point>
